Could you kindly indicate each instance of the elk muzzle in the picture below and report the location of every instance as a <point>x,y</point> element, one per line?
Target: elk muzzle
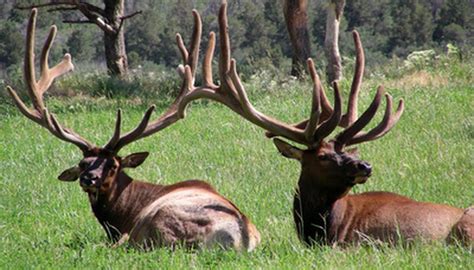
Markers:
<point>89,181</point>
<point>359,171</point>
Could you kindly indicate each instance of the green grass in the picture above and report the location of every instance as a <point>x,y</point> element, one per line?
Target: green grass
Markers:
<point>45,223</point>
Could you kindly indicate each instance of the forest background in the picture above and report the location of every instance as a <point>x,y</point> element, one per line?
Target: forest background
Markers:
<point>390,30</point>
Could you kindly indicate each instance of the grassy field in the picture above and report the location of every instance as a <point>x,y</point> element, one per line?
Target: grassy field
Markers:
<point>428,156</point>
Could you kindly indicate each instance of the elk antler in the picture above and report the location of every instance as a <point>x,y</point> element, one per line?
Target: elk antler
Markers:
<point>187,72</point>
<point>232,93</point>
<point>323,118</point>
<point>36,89</point>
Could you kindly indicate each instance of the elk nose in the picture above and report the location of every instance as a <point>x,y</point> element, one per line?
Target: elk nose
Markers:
<point>88,179</point>
<point>365,167</point>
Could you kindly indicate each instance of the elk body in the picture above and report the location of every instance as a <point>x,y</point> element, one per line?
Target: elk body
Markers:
<point>189,213</point>
<point>324,211</point>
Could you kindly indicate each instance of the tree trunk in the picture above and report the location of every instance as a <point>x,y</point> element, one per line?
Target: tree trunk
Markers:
<point>296,18</point>
<point>115,53</point>
<point>331,46</point>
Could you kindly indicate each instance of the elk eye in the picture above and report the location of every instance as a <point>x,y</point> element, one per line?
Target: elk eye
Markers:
<point>323,157</point>
<point>83,165</point>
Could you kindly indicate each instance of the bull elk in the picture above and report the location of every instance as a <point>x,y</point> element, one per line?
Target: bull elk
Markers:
<point>323,210</point>
<point>189,213</point>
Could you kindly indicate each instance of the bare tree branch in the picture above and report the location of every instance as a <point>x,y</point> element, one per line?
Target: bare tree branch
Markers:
<point>110,24</point>
<point>62,9</point>
<point>95,9</point>
<point>123,18</point>
<point>93,17</point>
<point>131,15</point>
<point>103,25</point>
<point>78,21</point>
<point>57,3</point>
<point>93,13</point>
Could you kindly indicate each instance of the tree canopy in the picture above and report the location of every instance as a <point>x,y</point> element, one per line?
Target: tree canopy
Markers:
<point>257,27</point>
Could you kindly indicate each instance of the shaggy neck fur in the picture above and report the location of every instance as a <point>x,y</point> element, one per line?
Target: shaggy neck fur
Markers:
<point>118,209</point>
<point>313,208</point>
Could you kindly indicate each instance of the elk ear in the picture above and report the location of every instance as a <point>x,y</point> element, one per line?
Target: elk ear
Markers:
<point>70,174</point>
<point>134,160</point>
<point>288,150</point>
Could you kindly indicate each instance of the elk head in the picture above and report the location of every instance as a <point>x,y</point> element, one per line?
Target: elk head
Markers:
<point>326,163</point>
<point>100,167</point>
<point>98,171</point>
<point>327,168</point>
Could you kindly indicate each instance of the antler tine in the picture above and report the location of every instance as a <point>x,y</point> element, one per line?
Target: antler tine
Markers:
<point>351,115</point>
<point>344,137</point>
<point>207,63</point>
<point>31,114</point>
<point>327,109</point>
<point>329,125</point>
<point>195,42</point>
<point>29,63</point>
<point>387,123</point>
<point>313,121</point>
<point>116,136</point>
<point>48,75</point>
<point>135,133</point>
<point>182,49</point>
<point>224,41</point>
<point>191,56</point>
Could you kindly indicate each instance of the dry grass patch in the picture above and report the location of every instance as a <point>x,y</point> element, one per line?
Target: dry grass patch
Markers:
<point>419,78</point>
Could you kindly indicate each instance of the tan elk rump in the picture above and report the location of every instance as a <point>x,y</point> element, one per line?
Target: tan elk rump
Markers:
<point>189,213</point>
<point>323,210</point>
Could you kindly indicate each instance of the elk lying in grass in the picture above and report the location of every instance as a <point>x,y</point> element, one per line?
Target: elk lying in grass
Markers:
<point>190,213</point>
<point>323,210</point>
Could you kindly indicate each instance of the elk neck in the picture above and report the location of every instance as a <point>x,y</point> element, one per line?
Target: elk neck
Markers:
<point>314,206</point>
<point>118,207</point>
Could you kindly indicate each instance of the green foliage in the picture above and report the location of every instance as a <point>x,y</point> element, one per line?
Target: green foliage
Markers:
<point>11,44</point>
<point>79,44</point>
<point>412,27</point>
<point>389,30</point>
<point>455,23</point>
<point>156,84</point>
<point>420,59</point>
<point>455,33</point>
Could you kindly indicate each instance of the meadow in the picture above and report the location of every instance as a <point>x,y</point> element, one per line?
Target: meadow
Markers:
<point>45,223</point>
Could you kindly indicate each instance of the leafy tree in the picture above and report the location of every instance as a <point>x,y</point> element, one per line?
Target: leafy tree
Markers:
<point>11,44</point>
<point>455,22</point>
<point>81,45</point>
<point>455,33</point>
<point>413,26</point>
<point>143,38</point>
